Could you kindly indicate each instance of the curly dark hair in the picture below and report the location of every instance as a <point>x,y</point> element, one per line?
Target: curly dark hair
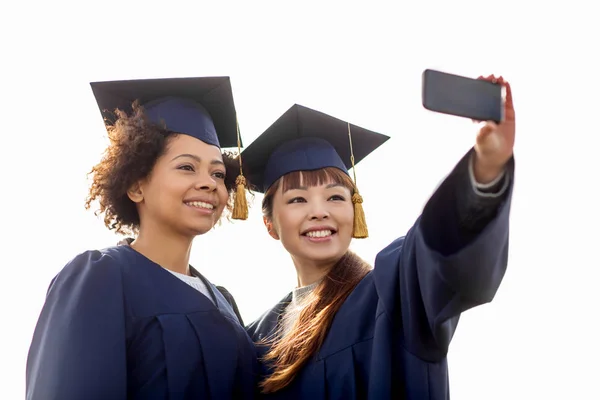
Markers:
<point>135,145</point>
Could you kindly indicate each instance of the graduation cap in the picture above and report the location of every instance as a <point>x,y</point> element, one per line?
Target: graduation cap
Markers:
<point>303,139</point>
<point>199,107</point>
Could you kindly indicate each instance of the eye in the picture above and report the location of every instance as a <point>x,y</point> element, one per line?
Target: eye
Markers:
<point>337,197</point>
<point>186,167</point>
<point>219,175</point>
<point>297,200</point>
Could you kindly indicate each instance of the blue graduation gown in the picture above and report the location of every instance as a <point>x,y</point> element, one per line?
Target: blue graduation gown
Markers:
<point>115,326</point>
<point>390,338</point>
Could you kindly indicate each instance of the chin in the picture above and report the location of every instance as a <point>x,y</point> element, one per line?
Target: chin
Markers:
<point>200,229</point>
<point>325,255</point>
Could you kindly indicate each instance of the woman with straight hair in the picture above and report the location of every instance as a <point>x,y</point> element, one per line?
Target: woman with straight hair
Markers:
<point>350,331</point>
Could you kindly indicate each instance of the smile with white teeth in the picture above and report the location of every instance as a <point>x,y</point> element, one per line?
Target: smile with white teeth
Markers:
<point>319,234</point>
<point>200,204</point>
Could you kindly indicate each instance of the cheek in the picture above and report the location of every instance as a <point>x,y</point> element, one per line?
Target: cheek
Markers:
<point>350,214</point>
<point>223,196</point>
<point>160,189</point>
<point>173,190</point>
<point>283,228</point>
<point>345,217</point>
<point>284,223</point>
<point>288,235</point>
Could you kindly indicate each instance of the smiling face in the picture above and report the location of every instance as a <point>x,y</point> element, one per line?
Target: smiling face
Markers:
<point>185,193</point>
<point>311,212</point>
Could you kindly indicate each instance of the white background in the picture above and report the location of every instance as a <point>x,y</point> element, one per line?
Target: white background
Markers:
<point>537,340</point>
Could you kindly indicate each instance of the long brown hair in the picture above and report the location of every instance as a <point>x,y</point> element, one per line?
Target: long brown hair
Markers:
<point>290,352</point>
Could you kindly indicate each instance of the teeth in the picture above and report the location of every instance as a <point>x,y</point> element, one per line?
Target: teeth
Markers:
<point>200,204</point>
<point>319,234</point>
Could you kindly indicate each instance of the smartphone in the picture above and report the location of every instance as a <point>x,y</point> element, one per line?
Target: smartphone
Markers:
<point>457,95</point>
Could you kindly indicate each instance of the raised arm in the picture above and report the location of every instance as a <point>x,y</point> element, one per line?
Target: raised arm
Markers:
<point>455,256</point>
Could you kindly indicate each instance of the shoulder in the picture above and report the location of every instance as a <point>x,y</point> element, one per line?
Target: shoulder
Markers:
<point>255,328</point>
<point>231,301</point>
<point>107,258</point>
<point>266,324</point>
<point>100,266</point>
<point>227,295</point>
<point>392,250</point>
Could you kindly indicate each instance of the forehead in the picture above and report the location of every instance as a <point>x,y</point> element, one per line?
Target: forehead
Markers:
<point>185,144</point>
<point>314,178</point>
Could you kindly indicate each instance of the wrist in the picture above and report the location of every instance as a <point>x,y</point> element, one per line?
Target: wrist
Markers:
<point>486,172</point>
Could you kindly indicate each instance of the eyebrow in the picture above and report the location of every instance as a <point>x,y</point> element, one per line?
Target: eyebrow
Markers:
<point>331,185</point>
<point>197,159</point>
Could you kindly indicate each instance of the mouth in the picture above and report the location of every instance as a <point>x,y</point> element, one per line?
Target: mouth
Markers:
<point>200,205</point>
<point>320,233</point>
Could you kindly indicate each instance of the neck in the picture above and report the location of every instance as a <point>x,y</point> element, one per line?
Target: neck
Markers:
<point>166,249</point>
<point>310,271</point>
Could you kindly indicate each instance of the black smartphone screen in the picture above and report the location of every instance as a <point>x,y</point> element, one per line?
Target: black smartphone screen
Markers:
<point>463,97</point>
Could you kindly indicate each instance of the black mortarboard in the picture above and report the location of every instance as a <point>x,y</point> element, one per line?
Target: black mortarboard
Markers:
<point>200,107</point>
<point>303,140</point>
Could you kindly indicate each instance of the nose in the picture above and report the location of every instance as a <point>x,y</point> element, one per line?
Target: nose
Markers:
<point>318,211</point>
<point>206,182</point>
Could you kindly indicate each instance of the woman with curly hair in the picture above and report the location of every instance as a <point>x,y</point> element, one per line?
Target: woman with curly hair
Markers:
<point>138,322</point>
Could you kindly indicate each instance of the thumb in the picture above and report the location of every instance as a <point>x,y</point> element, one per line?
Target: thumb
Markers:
<point>486,140</point>
<point>486,130</point>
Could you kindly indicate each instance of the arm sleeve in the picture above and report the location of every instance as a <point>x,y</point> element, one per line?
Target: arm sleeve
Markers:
<point>78,350</point>
<point>452,259</point>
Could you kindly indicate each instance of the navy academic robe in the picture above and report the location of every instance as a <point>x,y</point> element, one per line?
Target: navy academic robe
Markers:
<point>390,338</point>
<point>117,326</point>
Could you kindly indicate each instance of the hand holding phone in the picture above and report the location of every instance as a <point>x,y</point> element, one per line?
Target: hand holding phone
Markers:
<point>480,100</point>
<point>477,99</point>
<point>495,142</point>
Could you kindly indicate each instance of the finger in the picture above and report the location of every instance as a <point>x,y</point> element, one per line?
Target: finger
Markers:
<point>486,130</point>
<point>490,78</point>
<point>509,98</point>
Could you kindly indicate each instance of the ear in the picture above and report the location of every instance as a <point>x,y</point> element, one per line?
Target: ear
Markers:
<point>270,228</point>
<point>135,193</point>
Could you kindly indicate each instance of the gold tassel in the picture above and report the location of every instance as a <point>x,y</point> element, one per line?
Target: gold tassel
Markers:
<point>240,205</point>
<point>360,230</point>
